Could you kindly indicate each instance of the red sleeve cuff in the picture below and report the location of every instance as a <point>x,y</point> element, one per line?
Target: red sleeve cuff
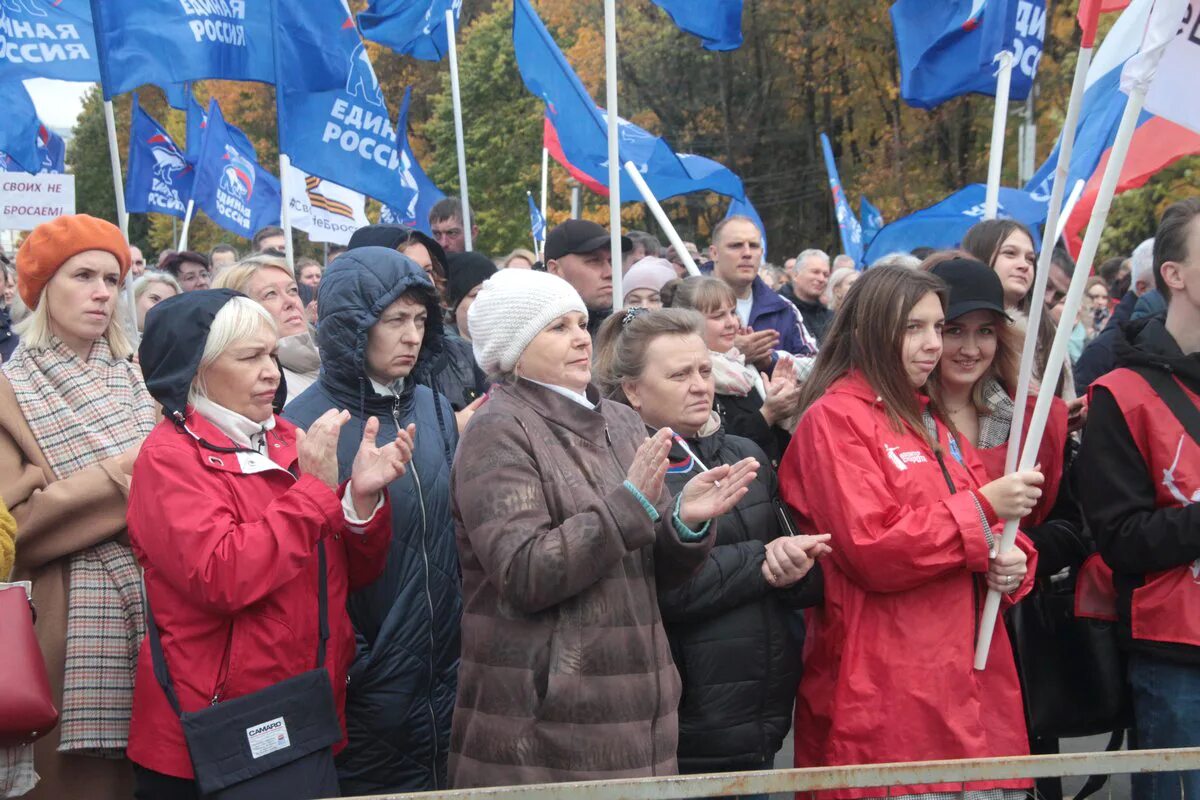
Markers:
<point>988,511</point>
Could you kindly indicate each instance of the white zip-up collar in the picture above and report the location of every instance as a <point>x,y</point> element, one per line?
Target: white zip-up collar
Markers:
<point>242,431</point>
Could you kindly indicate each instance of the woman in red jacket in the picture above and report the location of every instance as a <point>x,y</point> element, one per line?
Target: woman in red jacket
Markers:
<point>888,661</point>
<point>227,508</point>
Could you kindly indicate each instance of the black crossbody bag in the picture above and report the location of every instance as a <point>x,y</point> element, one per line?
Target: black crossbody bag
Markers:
<point>276,742</point>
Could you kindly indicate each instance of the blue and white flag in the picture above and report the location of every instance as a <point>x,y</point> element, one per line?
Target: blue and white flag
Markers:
<point>848,225</point>
<point>870,218</point>
<point>742,207</point>
<point>164,42</point>
<point>231,187</point>
<point>159,178</point>
<point>582,127</point>
<point>346,134</point>
<point>537,223</point>
<point>414,28</point>
<point>718,23</point>
<point>47,39</point>
<point>425,193</point>
<point>944,224</point>
<point>947,47</point>
<point>19,126</point>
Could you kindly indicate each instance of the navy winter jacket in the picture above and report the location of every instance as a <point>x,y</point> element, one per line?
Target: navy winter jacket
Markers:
<point>402,685</point>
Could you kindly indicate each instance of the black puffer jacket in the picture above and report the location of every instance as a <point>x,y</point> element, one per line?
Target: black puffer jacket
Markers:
<point>742,416</point>
<point>735,640</point>
<point>455,375</point>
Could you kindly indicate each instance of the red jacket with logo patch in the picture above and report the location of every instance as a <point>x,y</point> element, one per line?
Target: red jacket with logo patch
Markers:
<point>888,659</point>
<point>228,543</point>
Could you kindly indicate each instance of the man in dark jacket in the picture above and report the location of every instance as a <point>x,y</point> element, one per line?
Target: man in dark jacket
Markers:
<point>1141,453</point>
<point>810,276</point>
<point>381,328</point>
<point>580,252</point>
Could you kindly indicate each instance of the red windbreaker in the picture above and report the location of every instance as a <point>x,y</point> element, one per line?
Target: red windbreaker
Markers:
<point>888,670</point>
<point>228,543</point>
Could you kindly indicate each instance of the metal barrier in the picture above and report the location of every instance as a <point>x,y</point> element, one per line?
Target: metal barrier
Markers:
<point>787,781</point>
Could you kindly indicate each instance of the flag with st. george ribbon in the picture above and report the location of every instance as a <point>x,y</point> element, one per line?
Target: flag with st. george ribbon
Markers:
<point>159,178</point>
<point>52,152</point>
<point>344,134</point>
<point>870,218</point>
<point>582,128</point>
<point>19,125</point>
<point>414,28</point>
<point>48,39</point>
<point>943,224</point>
<point>718,23</point>
<point>947,48</point>
<point>322,209</point>
<point>848,225</point>
<point>425,193</point>
<point>537,223</point>
<point>230,186</point>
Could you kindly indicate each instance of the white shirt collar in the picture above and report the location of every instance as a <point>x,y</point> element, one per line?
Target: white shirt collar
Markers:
<point>394,390</point>
<point>568,393</point>
<point>244,432</point>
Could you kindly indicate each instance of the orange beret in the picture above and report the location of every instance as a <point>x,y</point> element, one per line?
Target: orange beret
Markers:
<point>52,243</point>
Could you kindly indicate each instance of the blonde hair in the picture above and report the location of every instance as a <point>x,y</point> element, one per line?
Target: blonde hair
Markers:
<point>520,252</point>
<point>151,277</point>
<point>36,334</point>
<point>238,276</point>
<point>238,319</point>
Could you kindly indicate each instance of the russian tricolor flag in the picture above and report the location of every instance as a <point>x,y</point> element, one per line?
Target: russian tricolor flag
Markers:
<point>1156,144</point>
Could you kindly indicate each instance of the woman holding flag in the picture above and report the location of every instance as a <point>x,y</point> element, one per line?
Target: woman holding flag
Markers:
<point>888,662</point>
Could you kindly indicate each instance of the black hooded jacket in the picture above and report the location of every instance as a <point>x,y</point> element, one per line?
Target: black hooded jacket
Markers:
<point>736,641</point>
<point>1117,491</point>
<point>403,682</point>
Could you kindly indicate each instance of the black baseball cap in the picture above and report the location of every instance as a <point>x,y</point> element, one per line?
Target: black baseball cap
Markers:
<point>577,236</point>
<point>973,287</point>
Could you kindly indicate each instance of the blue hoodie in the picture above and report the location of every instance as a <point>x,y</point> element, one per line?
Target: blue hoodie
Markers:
<point>403,682</point>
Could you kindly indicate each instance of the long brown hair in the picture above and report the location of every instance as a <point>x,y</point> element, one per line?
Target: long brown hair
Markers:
<point>984,240</point>
<point>867,335</point>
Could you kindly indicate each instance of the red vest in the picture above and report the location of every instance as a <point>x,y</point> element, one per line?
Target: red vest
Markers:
<point>1167,607</point>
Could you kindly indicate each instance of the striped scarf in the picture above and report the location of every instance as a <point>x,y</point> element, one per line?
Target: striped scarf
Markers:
<point>81,413</point>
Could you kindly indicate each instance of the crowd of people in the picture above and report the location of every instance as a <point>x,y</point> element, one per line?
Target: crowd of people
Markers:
<point>510,534</point>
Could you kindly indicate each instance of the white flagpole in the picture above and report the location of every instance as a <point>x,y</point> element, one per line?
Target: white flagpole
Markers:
<point>452,46</point>
<point>663,221</point>
<point>285,211</point>
<point>614,156</point>
<point>1058,352</point>
<point>545,178</point>
<point>991,203</point>
<point>1068,207</point>
<point>187,223</point>
<point>114,157</point>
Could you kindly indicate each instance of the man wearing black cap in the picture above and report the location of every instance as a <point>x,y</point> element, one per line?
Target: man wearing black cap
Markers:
<point>580,252</point>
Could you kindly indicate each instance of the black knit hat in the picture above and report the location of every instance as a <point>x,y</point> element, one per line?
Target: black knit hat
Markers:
<point>467,270</point>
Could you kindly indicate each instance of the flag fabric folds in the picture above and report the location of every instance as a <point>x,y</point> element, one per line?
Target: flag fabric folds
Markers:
<point>946,48</point>
<point>159,178</point>
<point>415,28</point>
<point>945,223</point>
<point>325,211</point>
<point>1176,63</point>
<point>425,193</point>
<point>848,225</point>
<point>718,23</point>
<point>52,153</point>
<point>230,186</point>
<point>344,134</point>
<point>537,223</point>
<point>19,126</point>
<point>870,218</point>
<point>48,40</point>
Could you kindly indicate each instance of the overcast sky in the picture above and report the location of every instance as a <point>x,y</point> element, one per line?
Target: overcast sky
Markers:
<point>58,102</point>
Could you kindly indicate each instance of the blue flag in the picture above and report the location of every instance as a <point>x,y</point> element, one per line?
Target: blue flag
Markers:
<point>19,127</point>
<point>414,28</point>
<point>718,23</point>
<point>178,95</point>
<point>537,223</point>
<point>173,41</point>
<point>848,225</point>
<point>944,224</point>
<point>425,194</point>
<point>742,207</point>
<point>52,153</point>
<point>947,47</point>
<point>343,135</point>
<point>159,179</point>
<point>582,127</point>
<point>197,122</point>
<point>231,187</point>
<point>48,39</point>
<point>870,218</point>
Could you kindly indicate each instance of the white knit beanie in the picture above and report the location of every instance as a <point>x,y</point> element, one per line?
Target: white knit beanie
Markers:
<point>512,307</point>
